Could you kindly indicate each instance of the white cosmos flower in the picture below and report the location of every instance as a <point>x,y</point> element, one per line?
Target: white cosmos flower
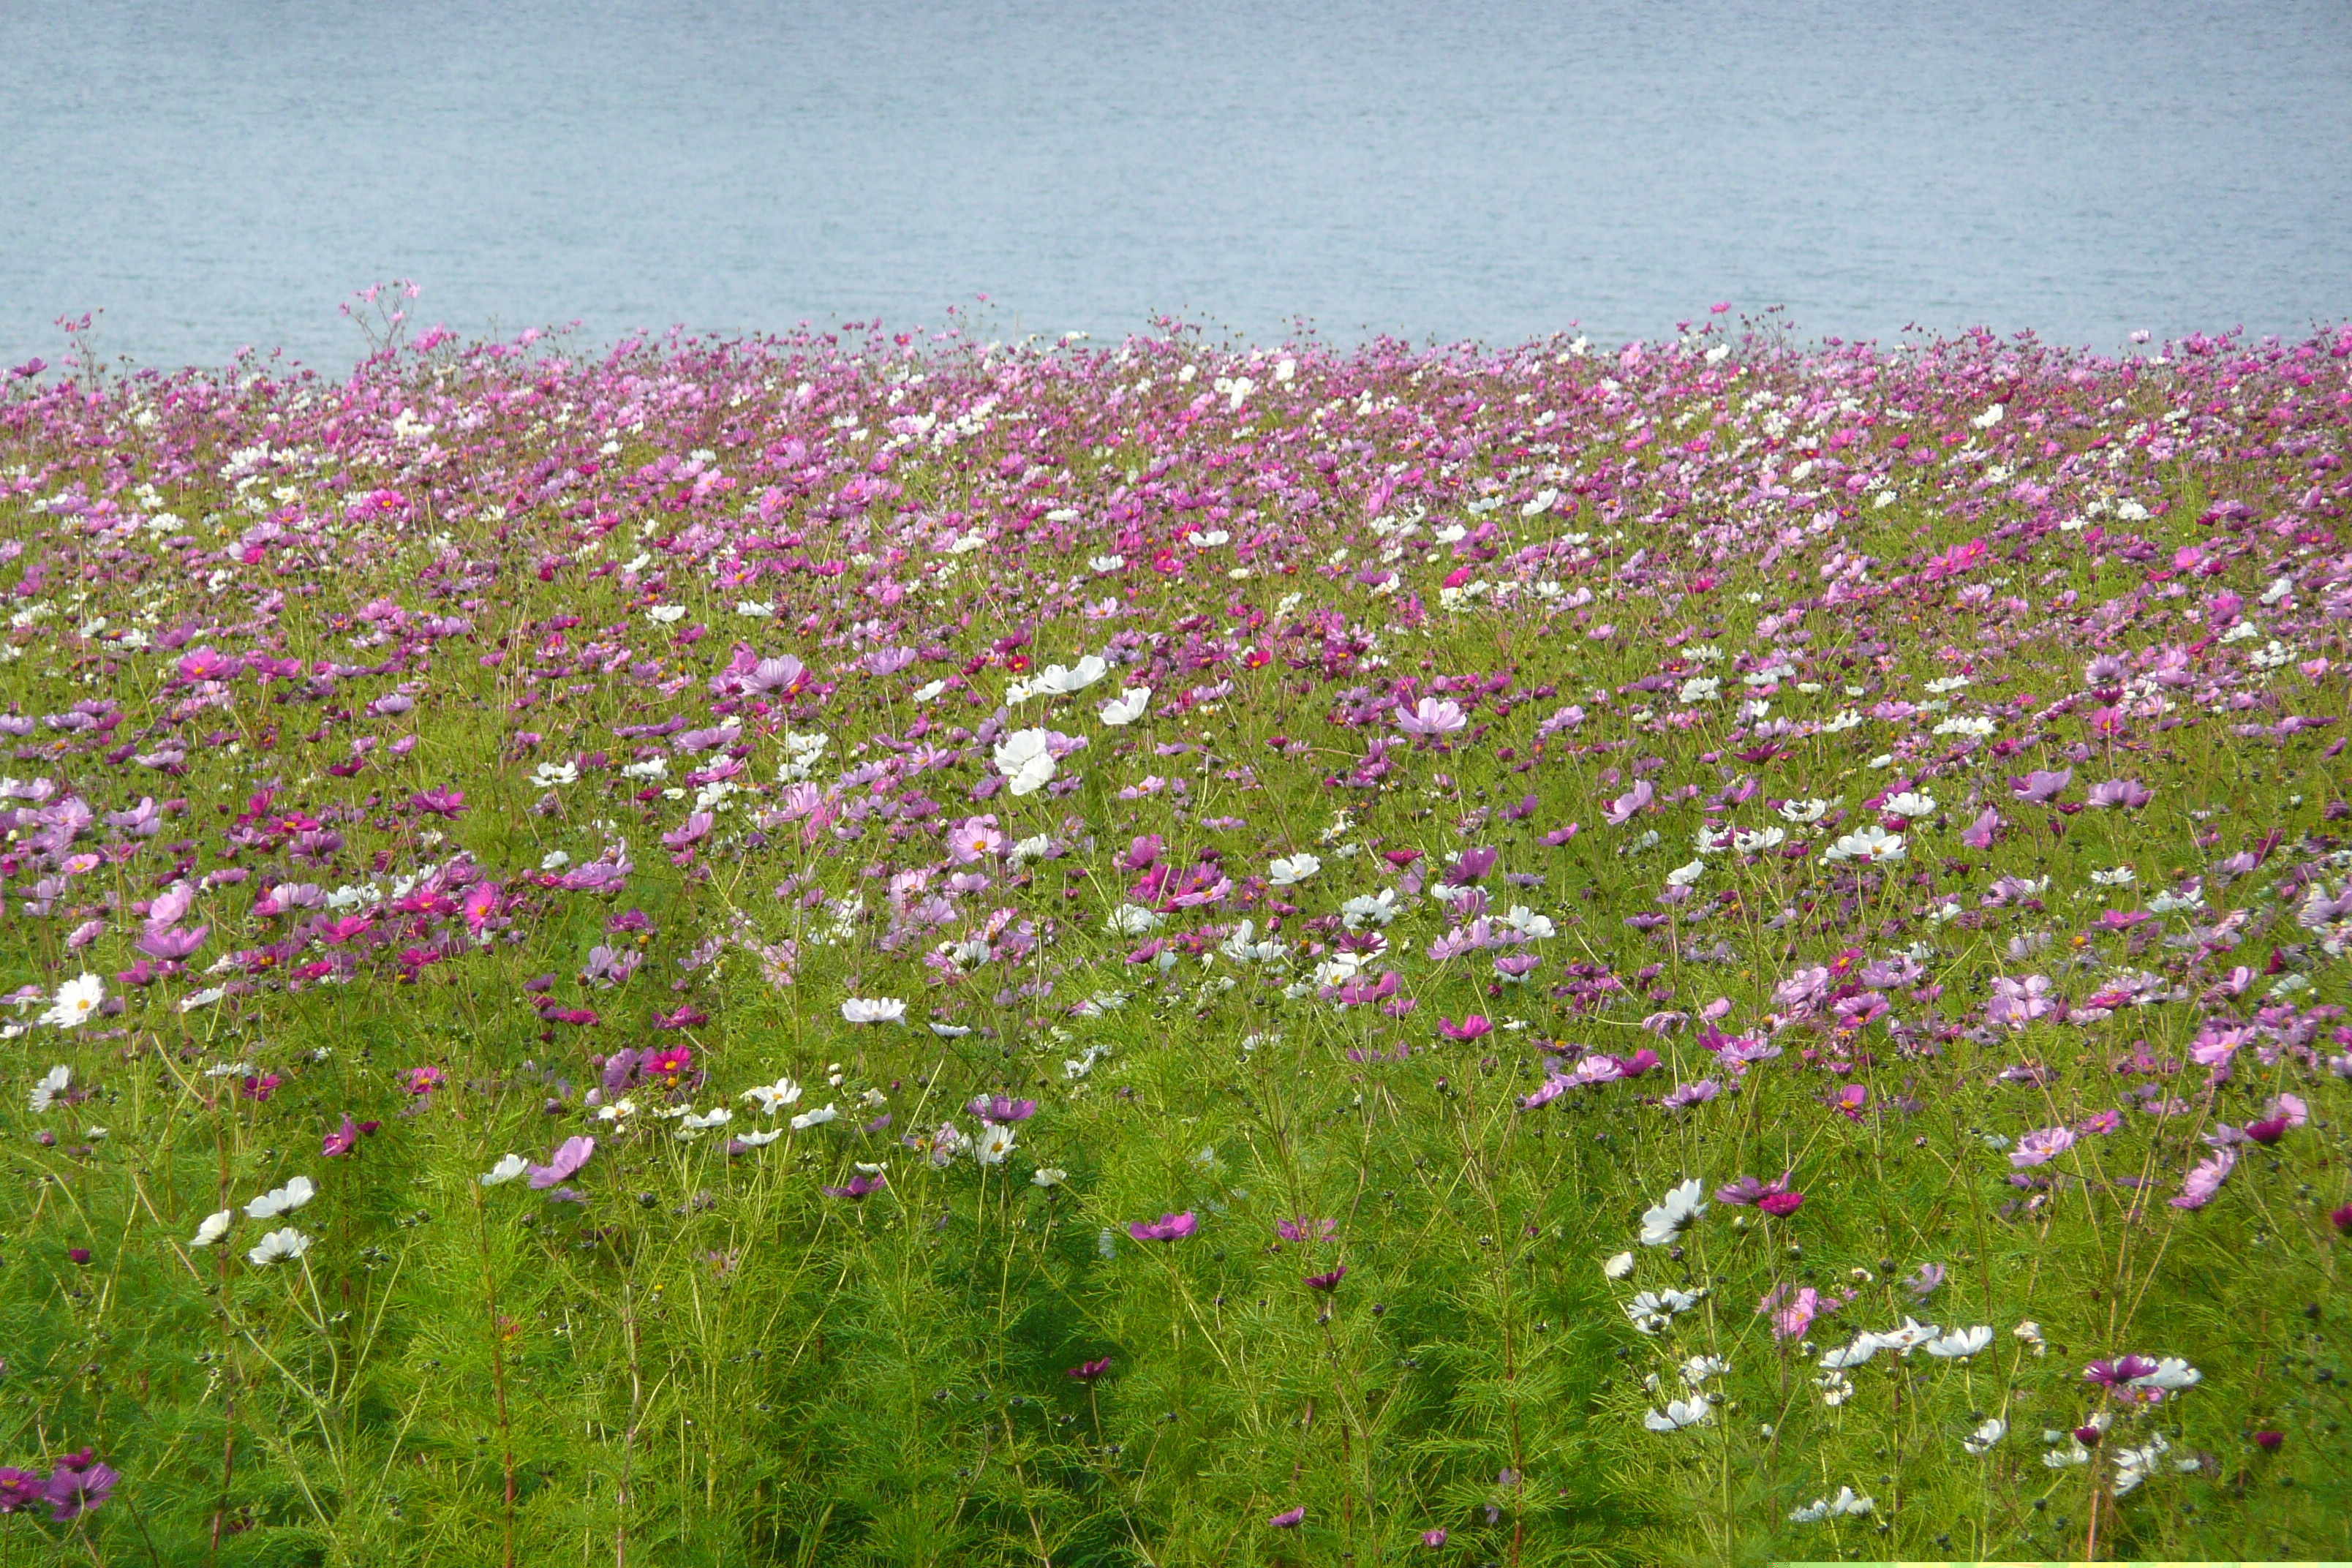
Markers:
<point>1133,920</point>
<point>505,1171</point>
<point>297,1192</point>
<point>1049,1176</point>
<point>1675,1211</point>
<point>1524,922</point>
<point>1758,841</point>
<point>1683,876</point>
<point>817,1118</point>
<point>993,1146</point>
<point>1844,1503</point>
<point>1296,870</point>
<point>1619,1266</point>
<point>1104,565</point>
<point>874,1010</point>
<point>2134,1464</point>
<point>759,1139</point>
<point>1907,1337</point>
<point>277,1243</point>
<point>52,1084</point>
<point>76,1000</point>
<point>926,692</point>
<point>1056,681</point>
<point>1992,1430</point>
<point>1023,758</point>
<point>1700,688</point>
<point>1872,843</point>
<point>1864,1346</point>
<point>1803,811</point>
<point>1243,947</point>
<point>1699,1368</point>
<point>1960,1343</point>
<point>717,1116</point>
<point>772,1098</point>
<point>215,1226</point>
<point>948,1032</point>
<point>1127,707</point>
<point>1909,803</point>
<point>2171,1373</point>
<point>1679,1414</point>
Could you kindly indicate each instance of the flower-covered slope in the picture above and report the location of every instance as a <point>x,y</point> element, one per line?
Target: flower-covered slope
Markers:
<point>1154,953</point>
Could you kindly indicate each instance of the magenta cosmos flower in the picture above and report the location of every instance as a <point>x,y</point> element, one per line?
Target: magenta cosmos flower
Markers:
<point>345,1138</point>
<point>1167,1227</point>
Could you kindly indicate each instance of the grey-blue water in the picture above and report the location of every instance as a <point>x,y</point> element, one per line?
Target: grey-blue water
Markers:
<point>217,174</point>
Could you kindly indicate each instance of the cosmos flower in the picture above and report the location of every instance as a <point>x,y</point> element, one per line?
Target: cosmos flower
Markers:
<point>297,1192</point>
<point>286,1243</point>
<point>564,1162</point>
<point>77,999</point>
<point>1024,760</point>
<point>1167,1227</point>
<point>1680,1208</point>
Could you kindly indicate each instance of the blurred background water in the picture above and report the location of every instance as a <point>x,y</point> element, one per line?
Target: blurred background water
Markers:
<point>217,174</point>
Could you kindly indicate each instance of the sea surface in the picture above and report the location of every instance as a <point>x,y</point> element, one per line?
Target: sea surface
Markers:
<point>217,175</point>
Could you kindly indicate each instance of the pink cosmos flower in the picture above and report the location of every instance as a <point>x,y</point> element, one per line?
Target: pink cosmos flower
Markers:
<point>2197,1189</point>
<point>1624,808</point>
<point>1793,1313</point>
<point>1429,717</point>
<point>2040,1146</point>
<point>1167,1227</point>
<point>564,1164</point>
<point>2041,785</point>
<point>974,838</point>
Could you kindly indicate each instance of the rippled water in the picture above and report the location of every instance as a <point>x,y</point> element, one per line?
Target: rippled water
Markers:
<point>221,175</point>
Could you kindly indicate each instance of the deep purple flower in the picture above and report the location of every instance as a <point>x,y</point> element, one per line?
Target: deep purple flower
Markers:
<point>1748,1190</point>
<point>2341,1219</point>
<point>442,802</point>
<point>344,1138</point>
<point>1329,1282</point>
<point>18,1488</point>
<point>1473,864</point>
<point>1088,1370</point>
<point>2269,1441</point>
<point>1779,1206</point>
<point>2116,1373</point>
<point>1433,1537</point>
<point>1167,1227</point>
<point>79,1254</point>
<point>1000,1111</point>
<point>1925,1282</point>
<point>859,1185</point>
<point>2088,1436</point>
<point>1295,1517</point>
<point>1305,1230</point>
<point>78,1485</point>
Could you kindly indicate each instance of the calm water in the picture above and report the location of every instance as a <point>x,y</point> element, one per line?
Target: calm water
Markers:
<point>217,174</point>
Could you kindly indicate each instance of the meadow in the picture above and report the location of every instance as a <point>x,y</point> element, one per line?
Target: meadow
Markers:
<point>889,948</point>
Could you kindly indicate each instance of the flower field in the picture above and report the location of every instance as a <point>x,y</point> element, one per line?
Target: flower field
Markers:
<point>887,949</point>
